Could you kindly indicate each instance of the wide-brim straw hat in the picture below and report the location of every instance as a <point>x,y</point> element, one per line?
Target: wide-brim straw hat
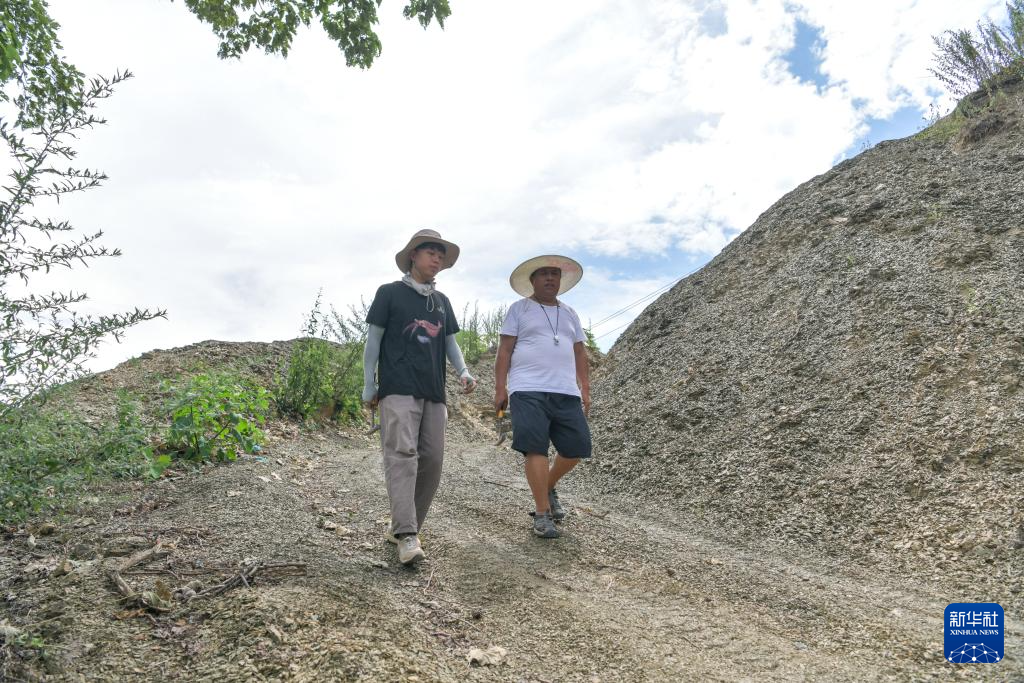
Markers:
<point>404,258</point>
<point>572,273</point>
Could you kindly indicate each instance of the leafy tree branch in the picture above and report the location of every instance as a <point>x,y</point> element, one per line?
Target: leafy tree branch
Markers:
<point>271,25</point>
<point>43,339</point>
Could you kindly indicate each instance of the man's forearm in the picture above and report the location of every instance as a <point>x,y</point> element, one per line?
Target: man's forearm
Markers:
<point>502,363</point>
<point>582,369</point>
<point>371,354</point>
<point>502,366</point>
<point>454,354</point>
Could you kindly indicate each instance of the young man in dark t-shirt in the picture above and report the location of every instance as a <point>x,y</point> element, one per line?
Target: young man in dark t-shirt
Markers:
<point>412,331</point>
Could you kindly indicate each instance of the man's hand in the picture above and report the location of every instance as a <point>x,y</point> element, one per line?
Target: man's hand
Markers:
<point>468,382</point>
<point>374,423</point>
<point>582,375</point>
<point>502,363</point>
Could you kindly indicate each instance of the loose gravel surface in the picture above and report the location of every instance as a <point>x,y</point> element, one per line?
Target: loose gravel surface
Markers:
<point>629,593</point>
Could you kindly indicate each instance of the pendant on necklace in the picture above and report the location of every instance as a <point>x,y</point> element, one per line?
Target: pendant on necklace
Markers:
<point>556,340</point>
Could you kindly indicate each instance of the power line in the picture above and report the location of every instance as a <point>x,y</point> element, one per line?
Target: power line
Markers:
<point>635,303</point>
<point>640,301</point>
<point>614,329</point>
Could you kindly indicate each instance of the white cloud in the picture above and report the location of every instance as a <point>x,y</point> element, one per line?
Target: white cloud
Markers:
<point>880,50</point>
<point>605,128</point>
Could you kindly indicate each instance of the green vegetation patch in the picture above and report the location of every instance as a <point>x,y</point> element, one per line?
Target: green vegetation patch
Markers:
<point>967,60</point>
<point>945,129</point>
<point>323,376</point>
<point>49,453</point>
<point>214,418</point>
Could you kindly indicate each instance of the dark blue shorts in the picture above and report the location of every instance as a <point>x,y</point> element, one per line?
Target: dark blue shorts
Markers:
<point>539,418</point>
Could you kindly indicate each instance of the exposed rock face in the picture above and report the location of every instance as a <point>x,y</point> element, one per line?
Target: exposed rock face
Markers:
<point>847,371</point>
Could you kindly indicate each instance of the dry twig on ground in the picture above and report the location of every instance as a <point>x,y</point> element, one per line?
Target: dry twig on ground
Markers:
<point>249,571</point>
<point>149,599</point>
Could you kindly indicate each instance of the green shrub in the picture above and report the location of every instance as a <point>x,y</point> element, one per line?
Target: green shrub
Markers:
<point>479,332</point>
<point>470,336</point>
<point>45,339</point>
<point>215,417</point>
<point>324,373</point>
<point>307,385</point>
<point>945,128</point>
<point>124,445</point>
<point>965,62</point>
<point>49,452</point>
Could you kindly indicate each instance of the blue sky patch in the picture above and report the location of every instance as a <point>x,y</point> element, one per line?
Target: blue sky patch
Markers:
<point>804,59</point>
<point>905,121</point>
<point>664,268</point>
<point>713,22</point>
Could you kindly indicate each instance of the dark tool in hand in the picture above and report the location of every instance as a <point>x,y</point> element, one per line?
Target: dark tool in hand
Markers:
<point>374,425</point>
<point>503,426</point>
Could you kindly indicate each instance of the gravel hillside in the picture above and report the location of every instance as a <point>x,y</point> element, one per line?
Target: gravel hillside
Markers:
<point>846,374</point>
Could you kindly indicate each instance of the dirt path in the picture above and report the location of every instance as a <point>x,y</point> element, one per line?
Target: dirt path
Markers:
<point>625,595</point>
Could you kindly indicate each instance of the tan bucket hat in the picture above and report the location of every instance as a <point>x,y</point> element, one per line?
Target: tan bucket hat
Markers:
<point>572,273</point>
<point>403,259</point>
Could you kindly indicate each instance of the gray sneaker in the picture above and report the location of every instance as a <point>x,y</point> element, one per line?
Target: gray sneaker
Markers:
<point>544,526</point>
<point>557,511</point>
<point>409,550</point>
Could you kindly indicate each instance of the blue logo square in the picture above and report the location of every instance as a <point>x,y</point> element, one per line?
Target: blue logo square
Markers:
<point>974,633</point>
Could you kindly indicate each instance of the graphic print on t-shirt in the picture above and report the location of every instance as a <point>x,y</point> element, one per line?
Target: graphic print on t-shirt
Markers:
<point>417,327</point>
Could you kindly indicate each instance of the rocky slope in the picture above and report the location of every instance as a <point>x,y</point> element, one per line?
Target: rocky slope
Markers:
<point>847,372</point>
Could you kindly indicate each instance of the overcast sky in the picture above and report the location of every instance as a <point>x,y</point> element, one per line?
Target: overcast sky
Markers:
<point>637,137</point>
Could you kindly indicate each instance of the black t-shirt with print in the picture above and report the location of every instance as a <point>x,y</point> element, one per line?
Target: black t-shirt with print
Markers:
<point>412,354</point>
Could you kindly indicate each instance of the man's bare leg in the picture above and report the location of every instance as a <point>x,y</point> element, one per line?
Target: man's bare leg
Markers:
<point>537,477</point>
<point>558,469</point>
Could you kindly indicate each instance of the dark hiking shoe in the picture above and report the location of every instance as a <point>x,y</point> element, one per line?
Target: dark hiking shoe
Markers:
<point>544,526</point>
<point>557,511</point>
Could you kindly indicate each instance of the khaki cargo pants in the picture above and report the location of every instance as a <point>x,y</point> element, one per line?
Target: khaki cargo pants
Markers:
<point>412,438</point>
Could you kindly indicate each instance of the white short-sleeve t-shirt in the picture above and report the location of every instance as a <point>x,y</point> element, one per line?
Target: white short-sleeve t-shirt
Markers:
<point>538,363</point>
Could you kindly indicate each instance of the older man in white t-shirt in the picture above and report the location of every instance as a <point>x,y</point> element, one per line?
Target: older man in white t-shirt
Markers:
<point>542,363</point>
